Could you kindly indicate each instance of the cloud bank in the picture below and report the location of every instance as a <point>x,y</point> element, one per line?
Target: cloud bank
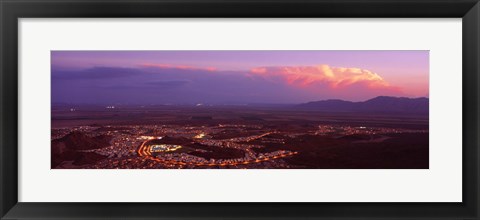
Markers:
<point>321,75</point>
<point>171,66</point>
<point>165,83</point>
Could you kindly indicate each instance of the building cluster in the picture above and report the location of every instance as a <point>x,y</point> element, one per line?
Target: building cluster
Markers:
<point>127,139</point>
<point>159,148</point>
<point>183,159</point>
<point>352,130</point>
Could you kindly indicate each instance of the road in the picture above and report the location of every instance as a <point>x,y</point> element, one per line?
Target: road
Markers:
<point>143,151</point>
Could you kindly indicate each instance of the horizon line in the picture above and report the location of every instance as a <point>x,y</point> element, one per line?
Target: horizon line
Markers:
<point>233,104</point>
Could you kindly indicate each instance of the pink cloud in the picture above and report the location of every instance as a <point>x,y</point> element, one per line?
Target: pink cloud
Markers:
<point>172,66</point>
<point>333,77</point>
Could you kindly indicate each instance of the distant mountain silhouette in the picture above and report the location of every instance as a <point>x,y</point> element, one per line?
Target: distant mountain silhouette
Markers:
<point>380,104</point>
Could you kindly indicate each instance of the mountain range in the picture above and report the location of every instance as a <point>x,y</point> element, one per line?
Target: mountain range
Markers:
<point>380,104</point>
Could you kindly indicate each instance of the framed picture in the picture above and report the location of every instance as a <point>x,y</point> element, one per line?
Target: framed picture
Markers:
<point>239,109</point>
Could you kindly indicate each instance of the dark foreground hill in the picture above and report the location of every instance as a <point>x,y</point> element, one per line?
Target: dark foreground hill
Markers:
<point>69,148</point>
<point>79,141</point>
<point>380,104</point>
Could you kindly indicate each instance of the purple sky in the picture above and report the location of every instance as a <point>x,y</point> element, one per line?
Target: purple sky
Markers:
<point>235,77</point>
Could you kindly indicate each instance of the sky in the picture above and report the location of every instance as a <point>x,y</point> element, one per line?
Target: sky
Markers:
<point>235,77</point>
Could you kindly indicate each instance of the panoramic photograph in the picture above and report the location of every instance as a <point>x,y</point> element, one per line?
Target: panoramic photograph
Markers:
<point>240,109</point>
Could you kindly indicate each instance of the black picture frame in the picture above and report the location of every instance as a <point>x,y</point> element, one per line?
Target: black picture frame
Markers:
<point>12,10</point>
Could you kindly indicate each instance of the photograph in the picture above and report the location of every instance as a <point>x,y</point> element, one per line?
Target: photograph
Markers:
<point>239,109</point>
<point>312,109</point>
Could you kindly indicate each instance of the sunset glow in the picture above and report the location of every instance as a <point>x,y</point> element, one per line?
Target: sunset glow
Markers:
<point>236,76</point>
<point>240,110</point>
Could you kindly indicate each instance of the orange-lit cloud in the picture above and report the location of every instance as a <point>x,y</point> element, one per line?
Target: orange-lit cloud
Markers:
<point>334,77</point>
<point>171,66</point>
